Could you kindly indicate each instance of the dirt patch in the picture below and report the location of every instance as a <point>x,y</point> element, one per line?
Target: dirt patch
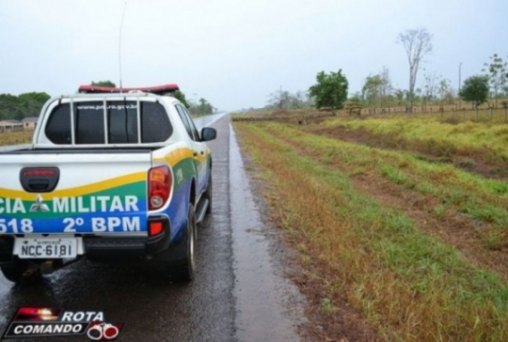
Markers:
<point>453,227</point>
<point>472,160</point>
<point>343,323</point>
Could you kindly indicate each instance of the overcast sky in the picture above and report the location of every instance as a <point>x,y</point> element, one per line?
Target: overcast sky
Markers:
<point>235,53</point>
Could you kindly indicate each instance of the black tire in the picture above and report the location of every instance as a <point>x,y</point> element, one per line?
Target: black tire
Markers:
<point>20,271</point>
<point>208,195</point>
<point>184,271</point>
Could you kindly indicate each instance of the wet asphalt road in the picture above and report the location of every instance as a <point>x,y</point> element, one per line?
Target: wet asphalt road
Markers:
<point>225,302</point>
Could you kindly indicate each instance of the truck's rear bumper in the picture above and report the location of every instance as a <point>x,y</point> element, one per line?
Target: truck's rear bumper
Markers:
<point>117,247</point>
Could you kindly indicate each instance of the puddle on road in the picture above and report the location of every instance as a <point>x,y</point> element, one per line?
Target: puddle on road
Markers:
<point>267,304</point>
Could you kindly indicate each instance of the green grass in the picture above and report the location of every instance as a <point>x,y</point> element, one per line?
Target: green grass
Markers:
<point>431,134</point>
<point>480,198</point>
<point>409,285</point>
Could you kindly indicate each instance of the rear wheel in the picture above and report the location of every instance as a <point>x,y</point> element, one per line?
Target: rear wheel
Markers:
<point>20,271</point>
<point>184,271</point>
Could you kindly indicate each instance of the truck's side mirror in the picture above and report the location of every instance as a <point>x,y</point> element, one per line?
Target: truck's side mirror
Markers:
<point>208,133</point>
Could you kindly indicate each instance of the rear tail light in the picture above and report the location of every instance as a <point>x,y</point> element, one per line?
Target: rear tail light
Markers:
<point>160,183</point>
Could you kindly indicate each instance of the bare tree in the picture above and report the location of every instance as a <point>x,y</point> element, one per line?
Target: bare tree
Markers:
<point>431,84</point>
<point>497,71</point>
<point>386,86</point>
<point>418,44</point>
<point>377,88</point>
<point>445,91</point>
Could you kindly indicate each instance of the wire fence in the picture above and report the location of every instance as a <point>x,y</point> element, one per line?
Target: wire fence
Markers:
<point>454,113</point>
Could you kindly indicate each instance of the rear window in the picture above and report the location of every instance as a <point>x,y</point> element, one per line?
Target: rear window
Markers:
<point>119,125</point>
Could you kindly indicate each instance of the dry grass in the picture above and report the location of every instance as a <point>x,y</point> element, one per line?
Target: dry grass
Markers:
<point>409,285</point>
<point>15,138</point>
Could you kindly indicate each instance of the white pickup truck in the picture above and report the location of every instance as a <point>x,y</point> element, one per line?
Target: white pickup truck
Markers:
<point>111,173</point>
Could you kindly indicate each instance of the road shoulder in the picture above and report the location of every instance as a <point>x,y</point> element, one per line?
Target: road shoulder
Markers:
<point>269,306</point>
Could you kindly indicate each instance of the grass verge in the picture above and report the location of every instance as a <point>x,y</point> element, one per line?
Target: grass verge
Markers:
<point>478,146</point>
<point>485,201</point>
<point>409,285</point>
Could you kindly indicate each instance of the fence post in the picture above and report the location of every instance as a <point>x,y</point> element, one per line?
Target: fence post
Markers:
<point>505,106</point>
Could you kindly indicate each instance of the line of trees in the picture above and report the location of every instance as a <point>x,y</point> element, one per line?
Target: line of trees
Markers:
<point>30,104</point>
<point>202,107</point>
<point>493,81</point>
<point>18,107</point>
<point>283,99</point>
<point>330,90</point>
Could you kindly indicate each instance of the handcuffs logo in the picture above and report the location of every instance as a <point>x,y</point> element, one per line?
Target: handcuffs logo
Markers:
<point>102,331</point>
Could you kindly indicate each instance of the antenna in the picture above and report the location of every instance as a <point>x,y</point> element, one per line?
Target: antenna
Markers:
<point>120,46</point>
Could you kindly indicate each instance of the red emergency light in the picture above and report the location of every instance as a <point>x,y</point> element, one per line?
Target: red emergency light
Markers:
<point>158,90</point>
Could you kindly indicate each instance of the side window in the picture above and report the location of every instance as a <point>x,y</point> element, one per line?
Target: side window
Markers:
<point>155,125</point>
<point>183,117</point>
<point>191,123</point>
<point>58,127</point>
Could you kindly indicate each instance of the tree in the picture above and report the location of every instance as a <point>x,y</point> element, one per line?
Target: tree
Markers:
<point>475,89</point>
<point>280,99</point>
<point>104,84</point>
<point>399,96</point>
<point>445,91</point>
<point>31,103</point>
<point>376,89</point>
<point>283,99</point>
<point>179,95</point>
<point>300,100</point>
<point>202,108</point>
<point>430,86</point>
<point>418,44</point>
<point>330,90</point>
<point>22,106</point>
<point>386,85</point>
<point>371,90</point>
<point>497,74</point>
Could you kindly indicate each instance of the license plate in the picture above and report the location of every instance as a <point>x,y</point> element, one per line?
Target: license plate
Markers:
<point>46,247</point>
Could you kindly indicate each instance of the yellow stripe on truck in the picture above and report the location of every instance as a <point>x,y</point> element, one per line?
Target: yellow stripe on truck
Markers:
<point>79,190</point>
<point>176,156</point>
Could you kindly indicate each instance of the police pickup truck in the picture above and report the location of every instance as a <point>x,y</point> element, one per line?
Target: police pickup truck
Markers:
<point>111,173</point>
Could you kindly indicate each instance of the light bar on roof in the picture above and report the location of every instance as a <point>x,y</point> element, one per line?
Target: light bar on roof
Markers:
<point>158,90</point>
